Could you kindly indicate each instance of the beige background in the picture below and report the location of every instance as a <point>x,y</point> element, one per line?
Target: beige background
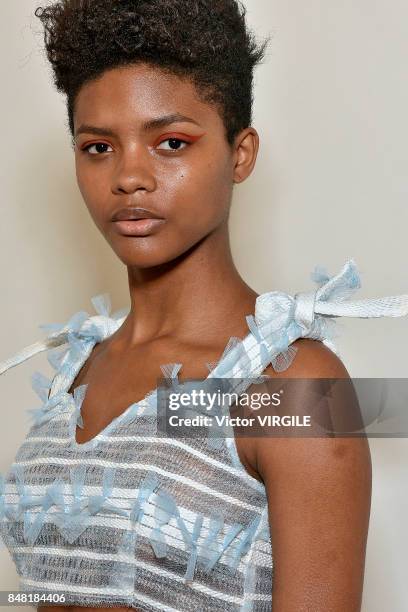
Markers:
<point>330,184</point>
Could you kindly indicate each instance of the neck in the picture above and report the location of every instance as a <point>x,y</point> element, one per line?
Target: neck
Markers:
<point>193,296</point>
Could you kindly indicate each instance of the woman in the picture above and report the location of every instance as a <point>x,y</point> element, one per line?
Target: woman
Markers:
<point>99,509</point>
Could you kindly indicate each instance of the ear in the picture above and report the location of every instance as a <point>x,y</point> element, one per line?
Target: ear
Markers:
<point>246,150</point>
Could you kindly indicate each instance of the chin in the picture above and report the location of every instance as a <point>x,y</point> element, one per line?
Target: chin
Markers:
<point>143,255</point>
<point>146,253</point>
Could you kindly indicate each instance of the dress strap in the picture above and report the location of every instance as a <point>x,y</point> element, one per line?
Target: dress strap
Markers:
<point>32,349</point>
<point>280,319</point>
<point>81,324</point>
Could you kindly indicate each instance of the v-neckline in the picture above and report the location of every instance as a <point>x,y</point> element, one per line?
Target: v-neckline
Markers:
<point>89,346</point>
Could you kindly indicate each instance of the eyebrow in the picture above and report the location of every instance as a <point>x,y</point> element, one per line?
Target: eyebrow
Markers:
<point>152,124</point>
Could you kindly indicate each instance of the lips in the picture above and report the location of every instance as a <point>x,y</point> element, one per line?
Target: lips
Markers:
<point>133,213</point>
<point>138,227</point>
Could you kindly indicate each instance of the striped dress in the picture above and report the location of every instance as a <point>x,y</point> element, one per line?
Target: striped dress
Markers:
<point>134,518</point>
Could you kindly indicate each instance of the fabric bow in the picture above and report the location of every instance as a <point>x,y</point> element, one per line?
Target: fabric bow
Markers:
<point>80,325</point>
<point>280,318</point>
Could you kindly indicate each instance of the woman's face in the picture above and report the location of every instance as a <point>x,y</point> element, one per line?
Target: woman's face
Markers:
<point>132,151</point>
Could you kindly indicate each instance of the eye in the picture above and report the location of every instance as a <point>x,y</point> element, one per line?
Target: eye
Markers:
<point>174,144</point>
<point>98,145</point>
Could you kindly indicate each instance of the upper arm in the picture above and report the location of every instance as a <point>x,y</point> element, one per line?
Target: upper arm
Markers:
<point>319,493</point>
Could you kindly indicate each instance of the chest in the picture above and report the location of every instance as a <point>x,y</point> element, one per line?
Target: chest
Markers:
<point>130,479</point>
<point>112,387</point>
<point>117,381</point>
<point>146,504</point>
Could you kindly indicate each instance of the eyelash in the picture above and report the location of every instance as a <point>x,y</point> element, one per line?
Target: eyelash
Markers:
<point>92,144</point>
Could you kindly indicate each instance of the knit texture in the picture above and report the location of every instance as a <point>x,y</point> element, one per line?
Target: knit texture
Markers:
<point>131,518</point>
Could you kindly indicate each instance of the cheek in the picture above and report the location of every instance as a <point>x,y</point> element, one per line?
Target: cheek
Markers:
<point>93,191</point>
<point>201,196</point>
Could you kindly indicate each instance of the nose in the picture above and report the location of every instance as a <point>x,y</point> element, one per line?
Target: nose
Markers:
<point>133,171</point>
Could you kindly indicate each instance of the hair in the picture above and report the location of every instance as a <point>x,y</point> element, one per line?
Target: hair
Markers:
<point>206,41</point>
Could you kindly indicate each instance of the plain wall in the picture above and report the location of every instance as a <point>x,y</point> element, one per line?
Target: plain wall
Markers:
<point>329,185</point>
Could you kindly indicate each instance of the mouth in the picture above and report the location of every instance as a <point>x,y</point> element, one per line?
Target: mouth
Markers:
<point>138,227</point>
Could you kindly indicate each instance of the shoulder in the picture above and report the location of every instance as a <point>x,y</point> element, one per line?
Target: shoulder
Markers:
<point>310,481</point>
<point>304,390</point>
<point>320,455</point>
<point>274,454</point>
<point>313,359</point>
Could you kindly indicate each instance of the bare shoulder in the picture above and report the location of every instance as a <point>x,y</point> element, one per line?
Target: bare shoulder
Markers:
<point>319,495</point>
<point>313,359</point>
<point>274,455</point>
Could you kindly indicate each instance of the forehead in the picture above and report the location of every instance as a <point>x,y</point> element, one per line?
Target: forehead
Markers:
<point>132,94</point>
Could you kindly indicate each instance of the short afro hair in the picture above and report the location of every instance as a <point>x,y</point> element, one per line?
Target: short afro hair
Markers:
<point>206,41</point>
